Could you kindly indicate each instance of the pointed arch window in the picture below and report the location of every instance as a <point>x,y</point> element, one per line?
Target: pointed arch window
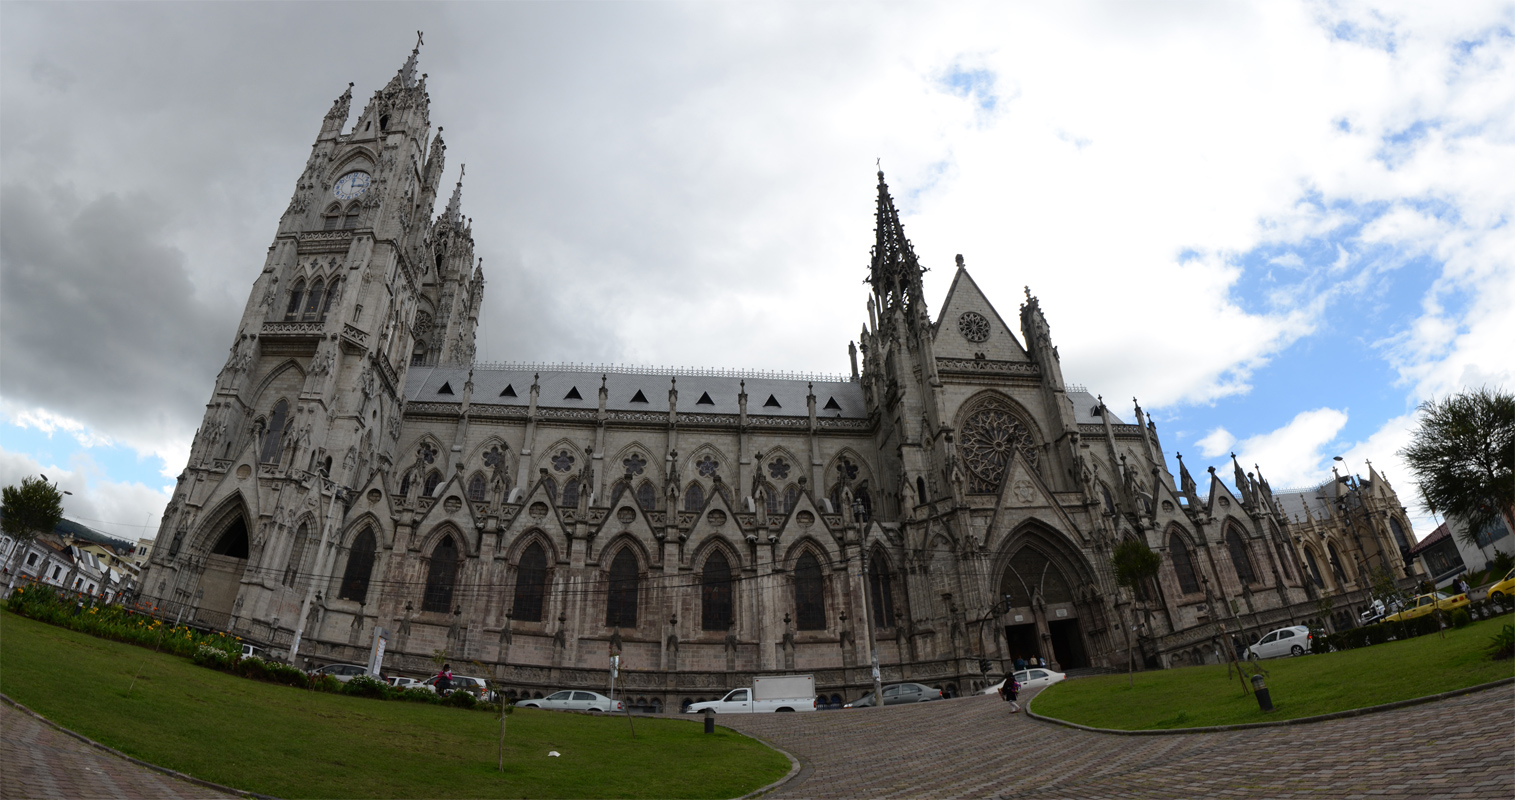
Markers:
<point>359,568</point>
<point>694,499</point>
<point>296,555</point>
<point>273,438</point>
<point>1399,534</point>
<point>1283,560</point>
<point>432,481</point>
<point>333,218</point>
<point>571,493</point>
<point>1241,559</point>
<point>418,355</point>
<point>883,595</point>
<point>1183,565</point>
<point>313,302</point>
<point>809,594</point>
<point>715,593</point>
<point>1314,568</point>
<point>441,573</point>
<point>791,498</point>
<point>531,584</point>
<point>647,497</point>
<point>350,220</point>
<point>476,491</point>
<point>1337,568</point>
<point>621,601</point>
<point>331,297</point>
<point>616,492</point>
<point>295,295</point>
<point>772,501</point>
<point>405,485</point>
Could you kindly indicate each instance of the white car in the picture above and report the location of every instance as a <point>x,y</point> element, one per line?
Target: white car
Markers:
<point>575,700</point>
<point>342,672</point>
<point>1291,641</point>
<point>402,683</point>
<point>1033,678</point>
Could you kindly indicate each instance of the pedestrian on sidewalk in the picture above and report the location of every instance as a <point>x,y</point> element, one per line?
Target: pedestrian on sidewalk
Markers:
<point>1008,690</point>
<point>444,680</point>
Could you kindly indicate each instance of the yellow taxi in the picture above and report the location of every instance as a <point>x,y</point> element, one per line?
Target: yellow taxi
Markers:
<point>1426,603</point>
<point>1505,587</point>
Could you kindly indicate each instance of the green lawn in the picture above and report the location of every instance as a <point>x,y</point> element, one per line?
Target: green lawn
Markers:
<point>294,743</point>
<point>1193,697</point>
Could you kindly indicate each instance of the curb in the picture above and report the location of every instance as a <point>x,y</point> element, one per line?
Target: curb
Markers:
<point>139,762</point>
<point>1353,712</point>
<point>794,767</point>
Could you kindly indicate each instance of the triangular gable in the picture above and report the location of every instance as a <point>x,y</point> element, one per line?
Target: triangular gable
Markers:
<point>381,508</point>
<point>716,502</point>
<point>1022,490</point>
<point>791,528</point>
<point>1218,489</point>
<point>966,298</point>
<point>523,518</point>
<point>462,517</point>
<point>638,526</point>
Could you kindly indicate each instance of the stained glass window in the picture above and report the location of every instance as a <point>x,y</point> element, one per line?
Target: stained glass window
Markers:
<point>846,470</point>
<point>571,493</point>
<point>809,594</point>
<point>476,492</point>
<point>359,568</point>
<point>1183,565</point>
<point>881,591</point>
<point>791,498</point>
<point>647,497</point>
<point>313,303</point>
<point>531,584</point>
<point>621,607</point>
<point>295,295</point>
<point>634,464</point>
<point>441,573</point>
<point>715,593</point>
<point>432,481</point>
<point>1241,560</point>
<point>563,461</point>
<point>694,498</point>
<point>273,438</point>
<point>706,466</point>
<point>778,469</point>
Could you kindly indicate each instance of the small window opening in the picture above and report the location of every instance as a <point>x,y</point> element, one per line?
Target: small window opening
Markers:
<point>639,397</point>
<point>831,404</point>
<point>704,400</point>
<point>384,123</point>
<point>573,394</point>
<point>446,389</point>
<point>508,391</point>
<point>773,402</point>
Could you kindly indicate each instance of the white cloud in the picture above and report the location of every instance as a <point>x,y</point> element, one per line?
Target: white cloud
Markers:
<point>1217,442</point>
<point>1292,455</point>
<point>125,510</point>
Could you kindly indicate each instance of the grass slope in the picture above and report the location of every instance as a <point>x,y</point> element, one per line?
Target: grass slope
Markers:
<point>294,743</point>
<point>1193,697</point>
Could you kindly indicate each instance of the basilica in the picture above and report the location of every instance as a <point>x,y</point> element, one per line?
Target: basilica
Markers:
<point>948,506</point>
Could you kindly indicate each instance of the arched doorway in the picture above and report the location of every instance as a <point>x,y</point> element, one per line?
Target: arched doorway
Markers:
<point>223,574</point>
<point>1042,619</point>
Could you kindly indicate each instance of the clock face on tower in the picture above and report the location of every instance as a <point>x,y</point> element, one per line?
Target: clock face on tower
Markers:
<point>351,185</point>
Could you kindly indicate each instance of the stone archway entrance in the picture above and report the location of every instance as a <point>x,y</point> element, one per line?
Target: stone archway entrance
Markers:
<point>1040,599</point>
<point>223,575</point>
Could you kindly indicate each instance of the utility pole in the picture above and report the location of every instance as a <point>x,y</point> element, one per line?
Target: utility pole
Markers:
<point>878,689</point>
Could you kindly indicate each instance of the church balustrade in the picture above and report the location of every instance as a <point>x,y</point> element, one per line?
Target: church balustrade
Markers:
<point>979,366</point>
<point>293,329</point>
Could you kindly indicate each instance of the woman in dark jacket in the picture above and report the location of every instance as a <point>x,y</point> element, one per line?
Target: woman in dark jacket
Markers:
<point>1008,690</point>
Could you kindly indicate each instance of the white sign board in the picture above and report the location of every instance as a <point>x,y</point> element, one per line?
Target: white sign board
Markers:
<point>376,660</point>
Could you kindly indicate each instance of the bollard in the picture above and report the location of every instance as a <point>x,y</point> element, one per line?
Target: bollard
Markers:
<point>1260,688</point>
<point>709,721</point>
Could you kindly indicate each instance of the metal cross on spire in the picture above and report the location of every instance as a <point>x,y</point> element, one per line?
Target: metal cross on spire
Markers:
<point>420,40</point>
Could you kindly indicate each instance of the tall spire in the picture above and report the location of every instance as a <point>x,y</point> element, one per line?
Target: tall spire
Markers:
<point>895,273</point>
<point>339,109</point>
<point>454,205</point>
<point>406,77</point>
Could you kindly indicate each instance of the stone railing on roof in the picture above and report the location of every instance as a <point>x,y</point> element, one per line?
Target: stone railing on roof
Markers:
<point>1121,430</point>
<point>636,369</point>
<point>984,365</point>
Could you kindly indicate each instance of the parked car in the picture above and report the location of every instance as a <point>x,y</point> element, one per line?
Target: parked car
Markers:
<point>1033,678</point>
<point>253,651</point>
<point>342,672</point>
<point>1291,641</point>
<point>769,693</point>
<point>400,682</point>
<point>1377,611</point>
<point>899,694</point>
<point>1505,587</point>
<point>575,700</point>
<point>1426,603</point>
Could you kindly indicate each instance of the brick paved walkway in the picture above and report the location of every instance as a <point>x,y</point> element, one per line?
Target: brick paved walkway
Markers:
<point>40,761</point>
<point>972,747</point>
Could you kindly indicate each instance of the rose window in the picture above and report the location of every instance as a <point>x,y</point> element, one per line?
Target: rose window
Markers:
<point>493,457</point>
<point>973,326</point>
<point>778,469</point>
<point>635,464</point>
<point>988,439</point>
<point>427,453</point>
<point>706,466</point>
<point>563,461</point>
<point>846,470</point>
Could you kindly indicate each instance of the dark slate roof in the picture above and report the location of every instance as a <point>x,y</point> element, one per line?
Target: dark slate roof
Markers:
<point>423,384</point>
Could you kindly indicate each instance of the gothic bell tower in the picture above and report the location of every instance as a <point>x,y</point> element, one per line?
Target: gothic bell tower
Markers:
<point>359,284</point>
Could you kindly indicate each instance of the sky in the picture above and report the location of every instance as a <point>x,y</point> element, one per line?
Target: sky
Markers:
<point>1280,226</point>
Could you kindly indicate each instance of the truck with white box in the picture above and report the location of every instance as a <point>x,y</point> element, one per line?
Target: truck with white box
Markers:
<point>769,693</point>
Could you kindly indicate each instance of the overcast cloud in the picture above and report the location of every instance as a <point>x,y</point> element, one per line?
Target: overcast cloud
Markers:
<point>1280,225</point>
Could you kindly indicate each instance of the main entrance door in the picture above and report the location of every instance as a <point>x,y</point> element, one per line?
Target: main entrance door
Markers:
<point>1021,641</point>
<point>223,576</point>
<point>1068,644</point>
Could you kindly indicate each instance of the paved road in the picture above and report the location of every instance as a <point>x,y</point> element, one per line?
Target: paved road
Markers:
<point>37,760</point>
<point>972,747</point>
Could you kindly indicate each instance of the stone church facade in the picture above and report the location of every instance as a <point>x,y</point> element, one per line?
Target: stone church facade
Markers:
<point>950,504</point>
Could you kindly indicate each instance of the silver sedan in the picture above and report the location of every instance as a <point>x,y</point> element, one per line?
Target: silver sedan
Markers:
<point>575,700</point>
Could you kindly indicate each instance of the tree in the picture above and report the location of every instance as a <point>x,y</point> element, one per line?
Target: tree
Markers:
<point>36,506</point>
<point>1464,456</point>
<point>1134,564</point>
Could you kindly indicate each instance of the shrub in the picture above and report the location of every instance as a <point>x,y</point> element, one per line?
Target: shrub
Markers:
<point>213,657</point>
<point>1460,618</point>
<point>1502,644</point>
<point>365,686</point>
<point>326,683</point>
<point>1502,563</point>
<point>461,699</point>
<point>416,695</point>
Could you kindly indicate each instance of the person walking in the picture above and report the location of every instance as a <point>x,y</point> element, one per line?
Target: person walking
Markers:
<point>1008,691</point>
<point>444,680</point>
